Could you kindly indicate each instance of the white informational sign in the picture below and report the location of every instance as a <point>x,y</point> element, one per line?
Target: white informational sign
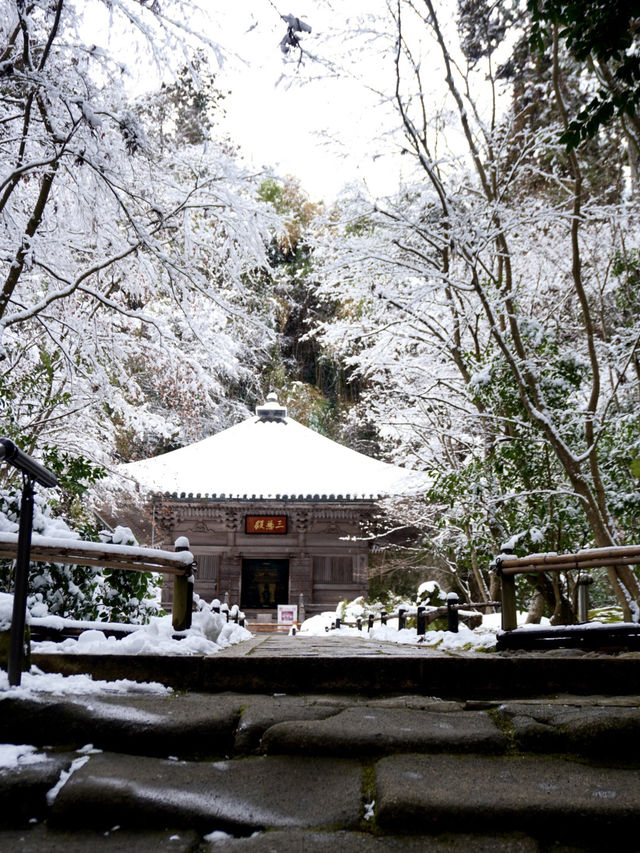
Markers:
<point>287,614</point>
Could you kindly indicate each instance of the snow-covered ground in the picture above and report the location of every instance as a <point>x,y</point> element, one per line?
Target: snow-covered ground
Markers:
<point>209,633</point>
<point>466,639</point>
<point>37,682</point>
<point>481,639</point>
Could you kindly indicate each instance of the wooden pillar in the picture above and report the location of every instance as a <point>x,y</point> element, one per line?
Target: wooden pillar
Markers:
<point>509,611</point>
<point>182,593</point>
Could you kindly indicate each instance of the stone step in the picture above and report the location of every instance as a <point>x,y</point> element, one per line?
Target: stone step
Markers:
<point>191,726</point>
<point>188,726</point>
<point>598,731</point>
<point>547,797</point>
<point>42,839</point>
<point>24,782</point>
<point>505,800</point>
<point>301,841</point>
<point>368,732</point>
<point>45,840</point>
<point>238,796</point>
<point>280,664</point>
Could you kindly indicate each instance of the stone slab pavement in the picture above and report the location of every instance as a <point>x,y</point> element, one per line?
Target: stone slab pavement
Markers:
<point>282,664</point>
<point>352,746</point>
<point>317,773</point>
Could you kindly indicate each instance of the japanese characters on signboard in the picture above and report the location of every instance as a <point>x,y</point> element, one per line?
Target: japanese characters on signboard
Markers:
<point>265,524</point>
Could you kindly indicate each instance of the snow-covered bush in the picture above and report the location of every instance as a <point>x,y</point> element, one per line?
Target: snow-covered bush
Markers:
<point>81,592</point>
<point>429,595</point>
<point>126,596</point>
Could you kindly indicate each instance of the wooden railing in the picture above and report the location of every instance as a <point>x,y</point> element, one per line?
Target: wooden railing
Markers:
<point>180,564</point>
<point>507,567</point>
<point>424,615</point>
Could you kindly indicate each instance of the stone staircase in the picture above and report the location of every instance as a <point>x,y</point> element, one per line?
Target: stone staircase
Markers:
<point>309,773</point>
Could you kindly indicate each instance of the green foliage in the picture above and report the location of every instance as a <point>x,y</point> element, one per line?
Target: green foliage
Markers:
<point>28,397</point>
<point>314,385</point>
<point>607,33</point>
<point>626,268</point>
<point>608,615</point>
<point>75,591</point>
<point>183,112</point>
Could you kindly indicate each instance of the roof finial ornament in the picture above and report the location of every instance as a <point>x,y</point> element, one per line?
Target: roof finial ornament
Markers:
<point>271,410</point>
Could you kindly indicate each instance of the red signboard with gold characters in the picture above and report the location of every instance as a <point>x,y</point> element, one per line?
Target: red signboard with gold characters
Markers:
<point>265,524</point>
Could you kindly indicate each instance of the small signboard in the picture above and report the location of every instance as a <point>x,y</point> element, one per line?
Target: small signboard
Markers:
<point>265,524</point>
<point>287,614</point>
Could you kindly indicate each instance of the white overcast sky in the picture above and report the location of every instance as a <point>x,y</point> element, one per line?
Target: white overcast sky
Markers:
<point>327,131</point>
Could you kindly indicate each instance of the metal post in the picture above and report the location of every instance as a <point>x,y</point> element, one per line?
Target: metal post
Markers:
<point>383,617</point>
<point>21,583</point>
<point>359,623</point>
<point>422,621</point>
<point>338,621</point>
<point>32,472</point>
<point>584,582</point>
<point>370,621</point>
<point>402,619</point>
<point>452,612</point>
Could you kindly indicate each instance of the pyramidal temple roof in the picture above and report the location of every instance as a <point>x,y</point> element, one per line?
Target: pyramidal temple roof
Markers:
<point>271,456</point>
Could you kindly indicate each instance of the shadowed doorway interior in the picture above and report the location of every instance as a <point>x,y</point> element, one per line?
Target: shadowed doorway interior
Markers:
<point>265,584</point>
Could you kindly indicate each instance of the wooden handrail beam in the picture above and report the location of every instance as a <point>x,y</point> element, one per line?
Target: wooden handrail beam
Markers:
<point>625,554</point>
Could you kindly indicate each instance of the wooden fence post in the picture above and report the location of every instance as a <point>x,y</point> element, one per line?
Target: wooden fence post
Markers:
<point>452,612</point>
<point>182,593</point>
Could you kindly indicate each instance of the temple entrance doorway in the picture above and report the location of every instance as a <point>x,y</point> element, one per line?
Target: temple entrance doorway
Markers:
<point>265,584</point>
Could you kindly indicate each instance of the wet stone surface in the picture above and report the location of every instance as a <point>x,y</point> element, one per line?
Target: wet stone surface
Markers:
<point>358,842</point>
<point>517,793</point>
<point>187,725</point>
<point>24,787</point>
<point>379,770</point>
<point>605,731</point>
<point>378,731</point>
<point>241,796</point>
<point>41,839</point>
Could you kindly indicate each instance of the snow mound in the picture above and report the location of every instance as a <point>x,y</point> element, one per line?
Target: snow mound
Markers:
<point>209,633</point>
<point>35,681</point>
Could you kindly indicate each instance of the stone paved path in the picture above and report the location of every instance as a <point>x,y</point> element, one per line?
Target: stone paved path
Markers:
<point>282,645</point>
<point>318,772</point>
<point>331,664</point>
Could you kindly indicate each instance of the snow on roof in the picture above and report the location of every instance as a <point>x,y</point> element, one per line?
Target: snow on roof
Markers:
<point>271,456</point>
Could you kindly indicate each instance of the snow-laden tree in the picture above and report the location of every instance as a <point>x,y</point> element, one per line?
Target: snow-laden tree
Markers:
<point>127,304</point>
<point>493,324</point>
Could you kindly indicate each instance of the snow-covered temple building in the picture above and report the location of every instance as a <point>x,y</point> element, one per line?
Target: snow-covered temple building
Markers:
<point>272,510</point>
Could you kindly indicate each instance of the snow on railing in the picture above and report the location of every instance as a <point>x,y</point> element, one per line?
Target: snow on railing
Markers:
<point>133,558</point>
